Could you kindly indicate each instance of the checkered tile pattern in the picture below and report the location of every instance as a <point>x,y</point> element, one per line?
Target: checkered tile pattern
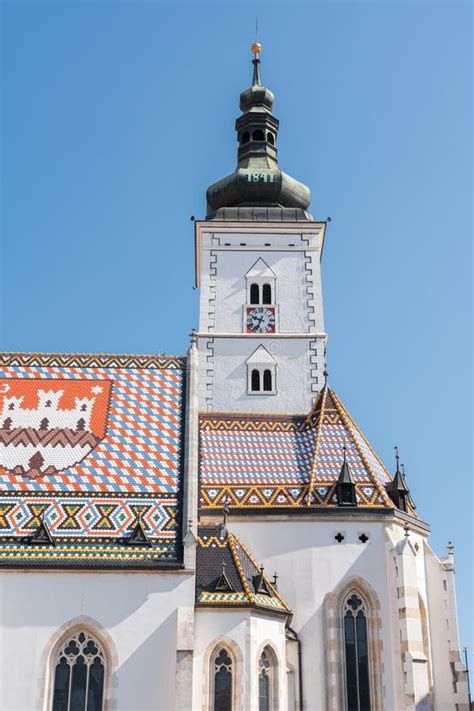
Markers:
<point>135,470</point>
<point>256,457</point>
<point>264,461</point>
<point>328,462</point>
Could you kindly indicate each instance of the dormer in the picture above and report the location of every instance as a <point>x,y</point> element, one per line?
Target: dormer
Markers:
<point>261,373</point>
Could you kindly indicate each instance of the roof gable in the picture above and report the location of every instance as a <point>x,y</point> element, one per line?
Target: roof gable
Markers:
<point>261,356</point>
<point>287,462</point>
<point>260,270</point>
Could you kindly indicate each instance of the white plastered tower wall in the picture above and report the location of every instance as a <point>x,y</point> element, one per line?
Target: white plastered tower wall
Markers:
<point>225,252</point>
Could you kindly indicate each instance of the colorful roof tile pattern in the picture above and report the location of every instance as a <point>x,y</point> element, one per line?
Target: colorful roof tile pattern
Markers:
<point>89,445</point>
<point>286,462</point>
<point>228,576</point>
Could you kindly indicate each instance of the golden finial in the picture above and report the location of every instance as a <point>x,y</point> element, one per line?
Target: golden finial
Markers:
<point>256,49</point>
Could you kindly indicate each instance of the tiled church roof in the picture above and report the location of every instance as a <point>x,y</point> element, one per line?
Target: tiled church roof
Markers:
<point>90,446</point>
<point>279,462</point>
<point>227,575</point>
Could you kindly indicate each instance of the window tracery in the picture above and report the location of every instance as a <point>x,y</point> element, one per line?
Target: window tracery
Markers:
<point>79,675</point>
<point>222,681</point>
<point>356,654</point>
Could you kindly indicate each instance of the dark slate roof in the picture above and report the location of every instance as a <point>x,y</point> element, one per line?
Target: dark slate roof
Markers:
<point>228,576</point>
<point>90,446</point>
<point>276,462</point>
<point>261,214</point>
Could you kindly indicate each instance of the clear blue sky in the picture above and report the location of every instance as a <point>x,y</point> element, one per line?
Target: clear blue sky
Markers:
<point>116,117</point>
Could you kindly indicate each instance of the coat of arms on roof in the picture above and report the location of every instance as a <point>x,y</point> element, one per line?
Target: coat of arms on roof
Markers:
<point>47,426</point>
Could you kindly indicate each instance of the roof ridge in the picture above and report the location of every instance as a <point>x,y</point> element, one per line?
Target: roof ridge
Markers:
<point>323,398</point>
<point>255,564</point>
<point>350,424</point>
<point>232,541</point>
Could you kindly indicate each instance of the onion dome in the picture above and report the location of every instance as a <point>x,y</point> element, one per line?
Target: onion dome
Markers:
<point>257,189</point>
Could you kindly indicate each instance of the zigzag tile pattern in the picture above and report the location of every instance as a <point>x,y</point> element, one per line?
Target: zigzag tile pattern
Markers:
<point>134,469</point>
<point>272,462</point>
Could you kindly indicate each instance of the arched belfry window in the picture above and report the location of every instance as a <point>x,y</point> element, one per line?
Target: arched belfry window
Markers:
<point>222,671</point>
<point>255,381</point>
<point>356,650</point>
<point>261,373</point>
<point>254,294</point>
<point>258,135</point>
<point>267,294</point>
<point>261,284</point>
<point>79,675</point>
<point>267,380</point>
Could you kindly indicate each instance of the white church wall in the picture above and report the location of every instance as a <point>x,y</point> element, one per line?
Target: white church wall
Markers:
<point>134,615</point>
<point>244,633</point>
<point>311,564</point>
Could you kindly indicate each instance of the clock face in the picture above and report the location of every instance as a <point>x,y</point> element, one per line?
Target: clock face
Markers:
<point>260,319</point>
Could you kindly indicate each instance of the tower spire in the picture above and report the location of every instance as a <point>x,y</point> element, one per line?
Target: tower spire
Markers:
<point>257,182</point>
<point>256,49</point>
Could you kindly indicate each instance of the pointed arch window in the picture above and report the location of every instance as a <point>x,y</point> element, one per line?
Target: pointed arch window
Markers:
<point>267,680</point>
<point>356,651</point>
<point>264,683</point>
<point>223,674</point>
<point>79,675</point>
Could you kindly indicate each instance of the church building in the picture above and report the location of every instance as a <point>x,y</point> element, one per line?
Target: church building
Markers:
<point>213,531</point>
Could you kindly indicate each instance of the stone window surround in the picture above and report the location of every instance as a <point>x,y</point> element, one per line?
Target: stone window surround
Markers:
<point>235,654</point>
<point>261,369</point>
<point>333,606</point>
<point>53,647</point>
<point>269,649</point>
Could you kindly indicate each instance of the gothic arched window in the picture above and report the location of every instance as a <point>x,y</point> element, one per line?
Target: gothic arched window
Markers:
<point>255,380</point>
<point>267,380</point>
<point>254,294</point>
<point>356,654</point>
<point>266,294</point>
<point>79,675</point>
<point>222,681</point>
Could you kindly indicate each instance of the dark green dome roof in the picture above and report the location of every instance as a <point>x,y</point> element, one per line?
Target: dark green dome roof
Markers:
<point>257,180</point>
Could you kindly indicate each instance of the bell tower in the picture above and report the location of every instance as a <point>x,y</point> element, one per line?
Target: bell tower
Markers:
<point>261,333</point>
